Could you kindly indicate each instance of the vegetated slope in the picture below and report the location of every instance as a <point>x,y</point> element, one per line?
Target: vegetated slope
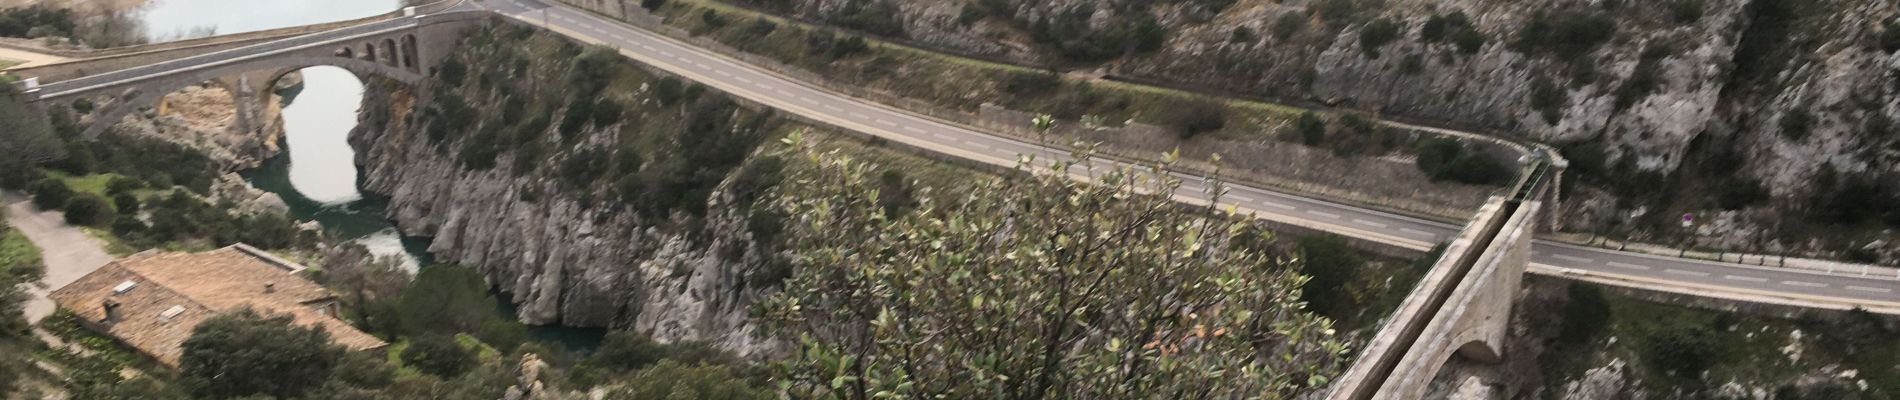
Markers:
<point>1596,342</point>
<point>599,194</point>
<point>1752,110</point>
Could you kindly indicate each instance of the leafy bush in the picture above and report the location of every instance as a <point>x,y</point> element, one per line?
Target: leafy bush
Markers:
<point>1568,35</point>
<point>1241,35</point>
<point>1644,79</point>
<point>759,28</point>
<point>1032,83</point>
<point>445,300</point>
<point>1741,193</point>
<point>1853,199</point>
<point>49,193</point>
<point>1196,117</point>
<point>1288,24</point>
<point>1890,36</point>
<point>241,354</point>
<point>674,380</point>
<point>438,355</point>
<point>1769,23</point>
<point>1378,33</point>
<point>1446,159</point>
<point>877,17</point>
<point>1548,99</point>
<point>712,19</point>
<point>1796,124</point>
<point>652,5</point>
<point>36,21</point>
<point>88,210</point>
<point>1332,264</point>
<point>1586,314</point>
<point>1309,128</point>
<point>1681,349</point>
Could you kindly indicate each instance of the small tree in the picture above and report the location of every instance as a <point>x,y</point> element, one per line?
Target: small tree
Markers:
<point>1682,349</point>
<point>1198,116</point>
<point>1585,314</point>
<point>49,193</point>
<point>446,299</point>
<point>89,210</point>
<point>241,353</point>
<point>1376,34</point>
<point>673,380</point>
<point>1032,287</point>
<point>126,203</point>
<point>438,355</point>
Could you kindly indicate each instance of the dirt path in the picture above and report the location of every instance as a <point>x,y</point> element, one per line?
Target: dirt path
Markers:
<point>68,252</point>
<point>28,58</point>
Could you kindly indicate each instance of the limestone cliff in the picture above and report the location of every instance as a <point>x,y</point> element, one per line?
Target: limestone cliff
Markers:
<point>600,251</point>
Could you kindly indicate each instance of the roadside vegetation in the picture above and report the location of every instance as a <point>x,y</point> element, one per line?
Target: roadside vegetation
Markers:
<point>1688,352</point>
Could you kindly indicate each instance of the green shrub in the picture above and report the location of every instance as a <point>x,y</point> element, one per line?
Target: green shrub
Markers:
<point>121,185</point>
<point>1378,33</point>
<point>1586,314</point>
<point>1741,193</point>
<point>877,17</point>
<point>760,28</point>
<point>438,355</point>
<point>1241,35</point>
<point>1288,24</point>
<point>1196,117</point>
<point>1332,264</point>
<point>1681,349</point>
<point>1890,36</point>
<point>89,210</point>
<point>712,19</point>
<point>1447,159</point>
<point>1548,99</point>
<point>652,5</point>
<point>49,193</point>
<point>1309,128</point>
<point>1568,35</point>
<point>1769,23</point>
<point>126,203</point>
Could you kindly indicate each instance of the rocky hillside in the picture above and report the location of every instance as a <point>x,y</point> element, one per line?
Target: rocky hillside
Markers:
<point>1744,107</point>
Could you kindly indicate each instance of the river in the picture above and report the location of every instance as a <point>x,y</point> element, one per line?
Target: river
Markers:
<point>317,175</point>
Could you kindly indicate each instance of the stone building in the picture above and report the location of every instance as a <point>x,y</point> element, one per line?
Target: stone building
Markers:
<point>152,300</point>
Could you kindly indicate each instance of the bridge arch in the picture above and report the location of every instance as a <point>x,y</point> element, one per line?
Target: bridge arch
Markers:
<point>369,51</point>
<point>389,47</point>
<point>409,52</point>
<point>346,52</point>
<point>133,99</point>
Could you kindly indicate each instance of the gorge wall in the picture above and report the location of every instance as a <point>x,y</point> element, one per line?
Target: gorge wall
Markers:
<point>1738,107</point>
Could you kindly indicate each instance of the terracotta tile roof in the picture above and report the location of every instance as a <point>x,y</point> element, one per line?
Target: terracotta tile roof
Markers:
<point>192,287</point>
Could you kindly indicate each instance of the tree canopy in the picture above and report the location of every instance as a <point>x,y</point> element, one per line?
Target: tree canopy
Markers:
<point>1036,286</point>
<point>241,353</point>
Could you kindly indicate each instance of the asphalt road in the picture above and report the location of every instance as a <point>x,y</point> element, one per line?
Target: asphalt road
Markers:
<point>66,250</point>
<point>780,92</point>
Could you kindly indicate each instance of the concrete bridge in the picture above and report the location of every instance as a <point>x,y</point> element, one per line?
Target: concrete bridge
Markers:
<point>402,46</point>
<point>1462,306</point>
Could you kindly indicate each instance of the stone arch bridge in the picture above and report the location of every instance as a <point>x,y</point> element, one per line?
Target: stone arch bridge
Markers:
<point>403,46</point>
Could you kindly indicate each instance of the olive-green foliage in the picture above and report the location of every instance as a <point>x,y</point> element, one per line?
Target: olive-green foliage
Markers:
<point>445,300</point>
<point>1073,290</point>
<point>1071,35</point>
<point>1890,36</point>
<point>1309,129</point>
<point>1241,35</point>
<point>1586,314</point>
<point>1548,99</point>
<point>1332,264</point>
<point>1686,11</point>
<point>1455,27</point>
<point>1568,35</point>
<point>622,353</point>
<point>877,17</point>
<point>438,355</point>
<point>1447,159</point>
<point>1196,117</point>
<point>49,193</point>
<point>1741,193</point>
<point>241,354</point>
<point>19,265</point>
<point>673,380</point>
<point>1682,349</point>
<point>157,162</point>
<point>35,21</point>
<point>1854,199</point>
<point>1645,78</point>
<point>1377,33</point>
<point>1288,24</point>
<point>88,210</point>
<point>179,216</point>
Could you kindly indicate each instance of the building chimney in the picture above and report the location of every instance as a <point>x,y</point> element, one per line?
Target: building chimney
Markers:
<point>270,287</point>
<point>112,311</point>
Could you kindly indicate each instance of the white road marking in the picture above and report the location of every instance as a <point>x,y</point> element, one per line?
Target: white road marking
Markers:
<point>1241,198</point>
<point>782,92</point>
<point>942,136</point>
<point>1870,289</point>
<point>722,72</point>
<point>1627,265</point>
<point>983,146</point>
<point>1365,222</point>
<point>833,108</point>
<point>808,99</point>
<point>1415,231</point>
<point>649,48</point>
<point>744,80</point>
<point>1683,272</point>
<point>855,114</point>
<point>1800,283</point>
<point>914,129</point>
<point>1573,258</point>
<point>1280,206</point>
<point>1322,214</point>
<point>1745,278</point>
<point>887,123</point>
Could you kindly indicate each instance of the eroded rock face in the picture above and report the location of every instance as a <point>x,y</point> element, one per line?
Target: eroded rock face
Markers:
<point>561,262</point>
<point>1661,92</point>
<point>204,119</point>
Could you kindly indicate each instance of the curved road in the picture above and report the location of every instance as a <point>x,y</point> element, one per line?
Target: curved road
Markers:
<point>759,85</point>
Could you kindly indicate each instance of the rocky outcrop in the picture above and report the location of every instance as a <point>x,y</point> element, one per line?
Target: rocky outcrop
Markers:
<point>563,262</point>
<point>204,118</point>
